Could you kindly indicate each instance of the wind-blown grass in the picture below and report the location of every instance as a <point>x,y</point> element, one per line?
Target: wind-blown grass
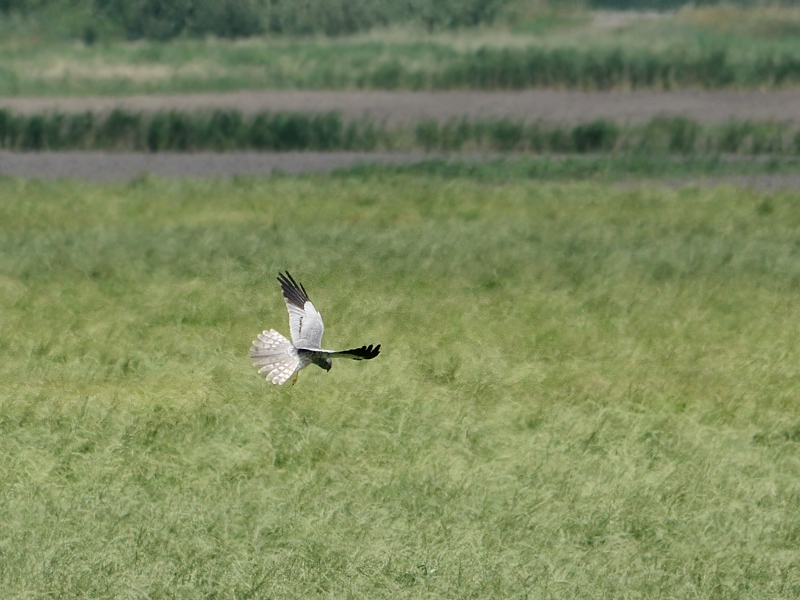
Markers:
<point>583,391</point>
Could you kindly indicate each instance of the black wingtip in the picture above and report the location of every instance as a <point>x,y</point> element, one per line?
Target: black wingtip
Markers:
<point>293,292</point>
<point>368,352</point>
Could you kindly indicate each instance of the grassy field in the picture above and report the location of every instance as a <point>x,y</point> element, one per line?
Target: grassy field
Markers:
<point>703,48</point>
<point>585,391</point>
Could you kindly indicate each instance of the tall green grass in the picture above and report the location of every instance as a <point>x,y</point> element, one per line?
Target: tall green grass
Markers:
<point>376,65</point>
<point>534,47</point>
<point>222,130</point>
<point>584,391</point>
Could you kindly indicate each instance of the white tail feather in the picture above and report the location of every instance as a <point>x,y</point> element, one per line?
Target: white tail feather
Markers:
<point>276,356</point>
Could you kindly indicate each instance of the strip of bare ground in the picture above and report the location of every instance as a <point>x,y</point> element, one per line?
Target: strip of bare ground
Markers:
<point>124,166</point>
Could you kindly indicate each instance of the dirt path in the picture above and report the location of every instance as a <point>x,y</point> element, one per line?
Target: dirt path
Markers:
<point>122,166</point>
<point>401,107</point>
<point>95,166</point>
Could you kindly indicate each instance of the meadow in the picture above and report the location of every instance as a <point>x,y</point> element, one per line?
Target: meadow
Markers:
<point>586,390</point>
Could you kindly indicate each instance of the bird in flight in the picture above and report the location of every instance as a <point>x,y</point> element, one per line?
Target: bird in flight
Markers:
<point>280,359</point>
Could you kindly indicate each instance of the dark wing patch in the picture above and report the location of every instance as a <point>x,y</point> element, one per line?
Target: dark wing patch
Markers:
<point>363,353</point>
<point>294,292</point>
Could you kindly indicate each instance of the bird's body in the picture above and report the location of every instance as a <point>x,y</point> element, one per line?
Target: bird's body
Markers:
<point>280,358</point>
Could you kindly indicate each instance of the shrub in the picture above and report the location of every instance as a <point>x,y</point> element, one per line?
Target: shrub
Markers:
<point>505,134</point>
<point>597,136</point>
<point>120,130</point>
<point>153,19</point>
<point>226,18</point>
<point>33,136</point>
<point>224,130</point>
<point>165,19</point>
<point>8,128</point>
<point>427,134</point>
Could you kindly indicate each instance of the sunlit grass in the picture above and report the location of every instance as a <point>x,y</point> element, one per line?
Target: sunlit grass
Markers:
<point>494,468</point>
<point>583,390</point>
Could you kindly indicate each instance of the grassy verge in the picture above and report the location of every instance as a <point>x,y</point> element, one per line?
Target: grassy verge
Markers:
<point>584,391</point>
<point>597,168</point>
<point>229,130</point>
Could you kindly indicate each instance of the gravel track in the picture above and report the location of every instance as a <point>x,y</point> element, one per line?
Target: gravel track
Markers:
<point>122,166</point>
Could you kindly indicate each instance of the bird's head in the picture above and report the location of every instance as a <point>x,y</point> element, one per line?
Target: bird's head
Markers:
<point>324,363</point>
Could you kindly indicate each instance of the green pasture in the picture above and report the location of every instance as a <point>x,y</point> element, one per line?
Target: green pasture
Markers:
<point>584,390</point>
<point>529,45</point>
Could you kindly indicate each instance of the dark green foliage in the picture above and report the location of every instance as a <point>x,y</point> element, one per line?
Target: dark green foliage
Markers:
<point>683,134</point>
<point>179,131</point>
<point>505,134</point>
<point>744,137</point>
<point>226,18</point>
<point>597,136</point>
<point>21,6</point>
<point>675,4</point>
<point>669,134</point>
<point>163,19</point>
<point>511,68</point>
<point>326,131</point>
<point>331,17</point>
<point>34,135</point>
<point>223,130</point>
<point>167,19</point>
<point>153,19</point>
<point>157,133</point>
<point>8,129</point>
<point>121,130</point>
<point>427,134</point>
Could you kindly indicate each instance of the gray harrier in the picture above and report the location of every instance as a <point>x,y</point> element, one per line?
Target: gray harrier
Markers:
<point>280,359</point>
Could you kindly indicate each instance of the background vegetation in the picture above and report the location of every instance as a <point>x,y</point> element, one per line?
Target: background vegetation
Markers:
<point>584,390</point>
<point>83,50</point>
<point>222,130</point>
<point>161,20</point>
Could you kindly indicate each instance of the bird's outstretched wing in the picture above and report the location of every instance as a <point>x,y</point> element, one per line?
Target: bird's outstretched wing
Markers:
<point>276,356</point>
<point>305,322</point>
<point>363,353</point>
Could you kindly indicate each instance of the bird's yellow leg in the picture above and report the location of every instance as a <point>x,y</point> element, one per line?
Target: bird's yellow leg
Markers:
<point>295,378</point>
